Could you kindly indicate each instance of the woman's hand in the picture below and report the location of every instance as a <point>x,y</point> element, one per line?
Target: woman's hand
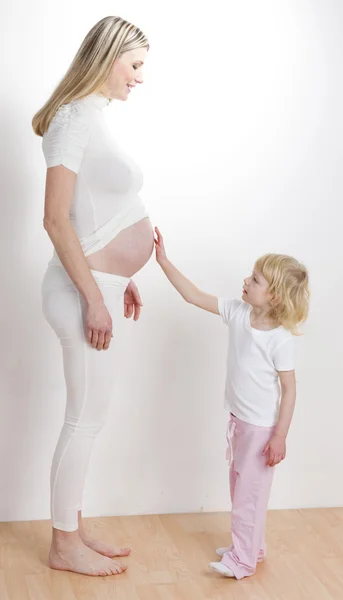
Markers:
<point>132,302</point>
<point>159,247</point>
<point>275,450</point>
<point>98,326</point>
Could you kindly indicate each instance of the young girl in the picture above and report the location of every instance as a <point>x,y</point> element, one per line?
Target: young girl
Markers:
<point>260,361</point>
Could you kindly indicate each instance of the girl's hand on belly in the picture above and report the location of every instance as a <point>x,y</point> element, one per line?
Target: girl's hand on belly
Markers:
<point>132,302</point>
<point>159,247</point>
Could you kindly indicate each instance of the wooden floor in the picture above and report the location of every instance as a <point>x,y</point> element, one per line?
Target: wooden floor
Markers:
<point>170,557</point>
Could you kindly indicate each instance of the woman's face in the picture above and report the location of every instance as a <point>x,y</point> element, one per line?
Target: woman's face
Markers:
<point>126,72</point>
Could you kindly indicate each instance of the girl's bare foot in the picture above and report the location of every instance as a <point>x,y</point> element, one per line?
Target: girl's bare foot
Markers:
<point>69,553</point>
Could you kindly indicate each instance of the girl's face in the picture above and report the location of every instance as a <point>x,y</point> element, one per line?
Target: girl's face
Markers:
<point>255,291</point>
<point>126,73</point>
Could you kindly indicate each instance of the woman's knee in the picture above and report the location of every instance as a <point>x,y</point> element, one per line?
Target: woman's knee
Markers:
<point>84,429</point>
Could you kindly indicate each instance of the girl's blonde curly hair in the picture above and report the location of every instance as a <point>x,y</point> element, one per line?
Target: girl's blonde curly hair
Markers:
<point>289,286</point>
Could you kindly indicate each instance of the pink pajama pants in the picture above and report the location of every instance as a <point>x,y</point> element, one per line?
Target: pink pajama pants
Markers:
<point>250,484</point>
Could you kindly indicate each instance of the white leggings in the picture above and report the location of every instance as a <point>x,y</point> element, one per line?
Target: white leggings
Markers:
<point>89,376</point>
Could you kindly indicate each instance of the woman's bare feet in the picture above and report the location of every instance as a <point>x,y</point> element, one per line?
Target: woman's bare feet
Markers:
<point>103,548</point>
<point>98,546</point>
<point>69,553</point>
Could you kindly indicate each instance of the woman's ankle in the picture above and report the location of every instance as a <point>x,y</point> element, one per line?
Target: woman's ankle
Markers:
<point>63,538</point>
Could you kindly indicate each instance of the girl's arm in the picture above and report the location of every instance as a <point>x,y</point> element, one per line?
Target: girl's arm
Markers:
<point>288,396</point>
<point>276,447</point>
<point>186,288</point>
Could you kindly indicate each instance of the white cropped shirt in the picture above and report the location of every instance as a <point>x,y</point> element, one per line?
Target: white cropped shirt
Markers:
<point>106,198</point>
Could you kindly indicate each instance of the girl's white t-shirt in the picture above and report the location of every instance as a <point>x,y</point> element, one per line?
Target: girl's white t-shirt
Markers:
<point>252,391</point>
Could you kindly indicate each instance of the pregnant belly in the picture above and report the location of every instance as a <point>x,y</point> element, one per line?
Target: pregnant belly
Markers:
<point>127,253</point>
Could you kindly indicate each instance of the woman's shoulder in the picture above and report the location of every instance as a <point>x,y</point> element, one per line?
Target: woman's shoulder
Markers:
<point>67,136</point>
<point>76,114</point>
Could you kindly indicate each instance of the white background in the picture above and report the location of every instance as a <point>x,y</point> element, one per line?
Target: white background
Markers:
<point>238,129</point>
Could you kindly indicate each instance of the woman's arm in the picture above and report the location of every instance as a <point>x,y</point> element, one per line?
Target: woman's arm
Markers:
<point>186,288</point>
<point>59,191</point>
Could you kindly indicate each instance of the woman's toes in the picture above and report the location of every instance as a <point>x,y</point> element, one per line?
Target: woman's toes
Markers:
<point>123,551</point>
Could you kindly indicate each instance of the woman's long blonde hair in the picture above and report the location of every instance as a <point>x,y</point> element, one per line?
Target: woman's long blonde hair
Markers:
<point>90,69</point>
<point>289,286</point>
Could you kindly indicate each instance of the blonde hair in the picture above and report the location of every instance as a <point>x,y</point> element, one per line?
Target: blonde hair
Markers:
<point>289,286</point>
<point>90,69</point>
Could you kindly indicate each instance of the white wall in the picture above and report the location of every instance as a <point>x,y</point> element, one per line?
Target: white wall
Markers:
<point>239,131</point>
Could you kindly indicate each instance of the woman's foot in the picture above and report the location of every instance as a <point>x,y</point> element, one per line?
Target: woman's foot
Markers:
<point>97,545</point>
<point>69,553</point>
<point>103,548</point>
<point>220,568</point>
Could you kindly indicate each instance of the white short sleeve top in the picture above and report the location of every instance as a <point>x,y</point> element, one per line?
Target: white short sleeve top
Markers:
<point>106,198</point>
<point>252,391</point>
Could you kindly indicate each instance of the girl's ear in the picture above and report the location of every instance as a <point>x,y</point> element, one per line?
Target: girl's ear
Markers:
<point>272,301</point>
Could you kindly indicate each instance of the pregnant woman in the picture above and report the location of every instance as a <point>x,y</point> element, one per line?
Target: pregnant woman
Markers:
<point>102,236</point>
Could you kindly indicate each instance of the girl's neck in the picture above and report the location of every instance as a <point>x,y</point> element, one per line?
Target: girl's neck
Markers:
<point>260,319</point>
